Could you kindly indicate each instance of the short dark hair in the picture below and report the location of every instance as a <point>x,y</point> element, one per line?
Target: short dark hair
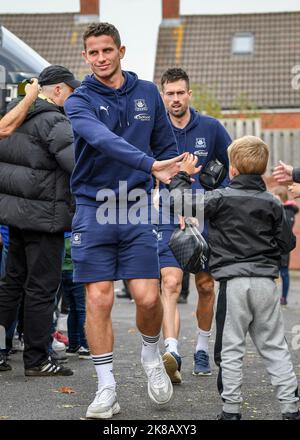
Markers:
<point>175,74</point>
<point>98,29</point>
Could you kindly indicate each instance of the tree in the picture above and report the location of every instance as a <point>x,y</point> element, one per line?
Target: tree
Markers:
<point>204,100</point>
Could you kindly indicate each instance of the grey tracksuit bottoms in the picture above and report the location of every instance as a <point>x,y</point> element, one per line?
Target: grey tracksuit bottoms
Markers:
<point>252,304</point>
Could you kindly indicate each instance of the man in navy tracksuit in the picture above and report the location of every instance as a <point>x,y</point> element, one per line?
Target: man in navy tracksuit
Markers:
<point>207,139</point>
<point>120,128</point>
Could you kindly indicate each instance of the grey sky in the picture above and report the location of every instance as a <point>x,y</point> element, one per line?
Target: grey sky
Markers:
<point>187,6</point>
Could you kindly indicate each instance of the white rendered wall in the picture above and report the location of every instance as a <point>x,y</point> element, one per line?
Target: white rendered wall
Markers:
<point>138,23</point>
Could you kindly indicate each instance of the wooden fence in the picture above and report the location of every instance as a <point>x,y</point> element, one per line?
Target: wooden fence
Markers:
<point>284,144</point>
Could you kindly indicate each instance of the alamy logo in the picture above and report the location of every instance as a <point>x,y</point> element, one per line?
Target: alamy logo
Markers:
<point>200,143</point>
<point>102,107</point>
<point>140,105</point>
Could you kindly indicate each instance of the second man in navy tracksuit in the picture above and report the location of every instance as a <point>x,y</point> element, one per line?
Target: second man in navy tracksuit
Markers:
<point>207,139</point>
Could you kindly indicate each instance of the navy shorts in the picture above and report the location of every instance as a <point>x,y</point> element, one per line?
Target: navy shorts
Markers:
<point>166,257</point>
<point>112,252</point>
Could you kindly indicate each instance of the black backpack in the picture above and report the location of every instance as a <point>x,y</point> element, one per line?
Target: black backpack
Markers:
<point>189,248</point>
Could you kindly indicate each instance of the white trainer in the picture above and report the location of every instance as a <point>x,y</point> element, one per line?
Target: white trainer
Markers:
<point>105,404</point>
<point>57,345</point>
<point>160,388</point>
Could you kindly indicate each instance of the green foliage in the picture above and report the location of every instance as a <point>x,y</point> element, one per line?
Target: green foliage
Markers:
<point>204,100</point>
<point>244,105</point>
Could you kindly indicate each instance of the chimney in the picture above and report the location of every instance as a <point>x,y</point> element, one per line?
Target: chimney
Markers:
<point>170,9</point>
<point>89,11</point>
<point>89,7</point>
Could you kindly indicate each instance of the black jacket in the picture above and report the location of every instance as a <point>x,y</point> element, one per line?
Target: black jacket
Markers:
<point>290,211</point>
<point>296,174</point>
<point>35,166</point>
<point>247,227</point>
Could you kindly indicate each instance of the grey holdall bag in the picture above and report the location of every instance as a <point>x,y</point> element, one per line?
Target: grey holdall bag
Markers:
<point>189,248</point>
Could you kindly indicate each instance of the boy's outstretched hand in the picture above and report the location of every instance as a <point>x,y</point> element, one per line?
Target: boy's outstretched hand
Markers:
<point>188,165</point>
<point>164,170</point>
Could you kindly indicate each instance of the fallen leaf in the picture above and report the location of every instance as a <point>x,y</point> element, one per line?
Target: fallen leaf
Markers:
<point>66,390</point>
<point>132,330</point>
<point>4,417</point>
<point>68,406</point>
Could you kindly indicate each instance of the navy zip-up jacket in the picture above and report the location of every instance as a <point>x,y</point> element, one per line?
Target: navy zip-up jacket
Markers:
<point>206,138</point>
<point>119,133</point>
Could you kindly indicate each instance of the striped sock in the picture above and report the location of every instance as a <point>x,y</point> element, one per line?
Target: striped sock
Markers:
<point>104,368</point>
<point>150,350</point>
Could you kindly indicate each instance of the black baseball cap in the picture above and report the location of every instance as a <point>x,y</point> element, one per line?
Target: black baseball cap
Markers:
<point>55,74</point>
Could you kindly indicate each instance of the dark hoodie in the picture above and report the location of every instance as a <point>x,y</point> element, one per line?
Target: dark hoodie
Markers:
<point>119,133</point>
<point>206,138</point>
<point>35,166</point>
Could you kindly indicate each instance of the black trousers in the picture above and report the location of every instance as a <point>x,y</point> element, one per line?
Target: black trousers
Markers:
<point>33,267</point>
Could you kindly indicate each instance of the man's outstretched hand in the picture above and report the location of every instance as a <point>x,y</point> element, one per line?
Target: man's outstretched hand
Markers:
<point>283,172</point>
<point>164,170</point>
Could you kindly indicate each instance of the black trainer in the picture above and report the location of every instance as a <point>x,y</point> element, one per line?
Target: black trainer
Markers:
<point>229,416</point>
<point>4,366</point>
<point>72,351</point>
<point>49,368</point>
<point>291,416</point>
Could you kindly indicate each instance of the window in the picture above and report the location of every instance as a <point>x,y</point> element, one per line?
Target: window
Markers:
<point>242,43</point>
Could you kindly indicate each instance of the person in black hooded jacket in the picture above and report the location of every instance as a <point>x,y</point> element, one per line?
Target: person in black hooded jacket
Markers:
<point>35,202</point>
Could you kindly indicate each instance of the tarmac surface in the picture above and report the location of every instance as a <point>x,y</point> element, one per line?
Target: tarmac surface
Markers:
<point>197,398</point>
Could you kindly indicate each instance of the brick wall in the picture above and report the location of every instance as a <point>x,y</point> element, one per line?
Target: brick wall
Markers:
<point>273,120</point>
<point>89,7</point>
<point>280,120</point>
<point>295,254</point>
<point>170,8</point>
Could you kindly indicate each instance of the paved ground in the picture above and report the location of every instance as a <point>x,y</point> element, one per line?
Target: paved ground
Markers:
<point>195,399</point>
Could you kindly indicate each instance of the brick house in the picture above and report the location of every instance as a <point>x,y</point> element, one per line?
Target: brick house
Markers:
<point>56,37</point>
<point>255,57</point>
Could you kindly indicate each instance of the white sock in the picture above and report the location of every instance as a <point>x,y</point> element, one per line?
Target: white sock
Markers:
<point>150,349</point>
<point>202,341</point>
<point>104,368</point>
<point>171,345</point>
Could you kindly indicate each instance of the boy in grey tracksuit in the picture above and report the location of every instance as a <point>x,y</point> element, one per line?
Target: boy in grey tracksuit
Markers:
<point>247,234</point>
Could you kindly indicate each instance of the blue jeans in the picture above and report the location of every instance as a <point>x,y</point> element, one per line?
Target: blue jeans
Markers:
<point>75,296</point>
<point>11,330</point>
<point>284,273</point>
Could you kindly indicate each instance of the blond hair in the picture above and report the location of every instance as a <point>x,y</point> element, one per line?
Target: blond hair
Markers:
<point>282,192</point>
<point>249,155</point>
